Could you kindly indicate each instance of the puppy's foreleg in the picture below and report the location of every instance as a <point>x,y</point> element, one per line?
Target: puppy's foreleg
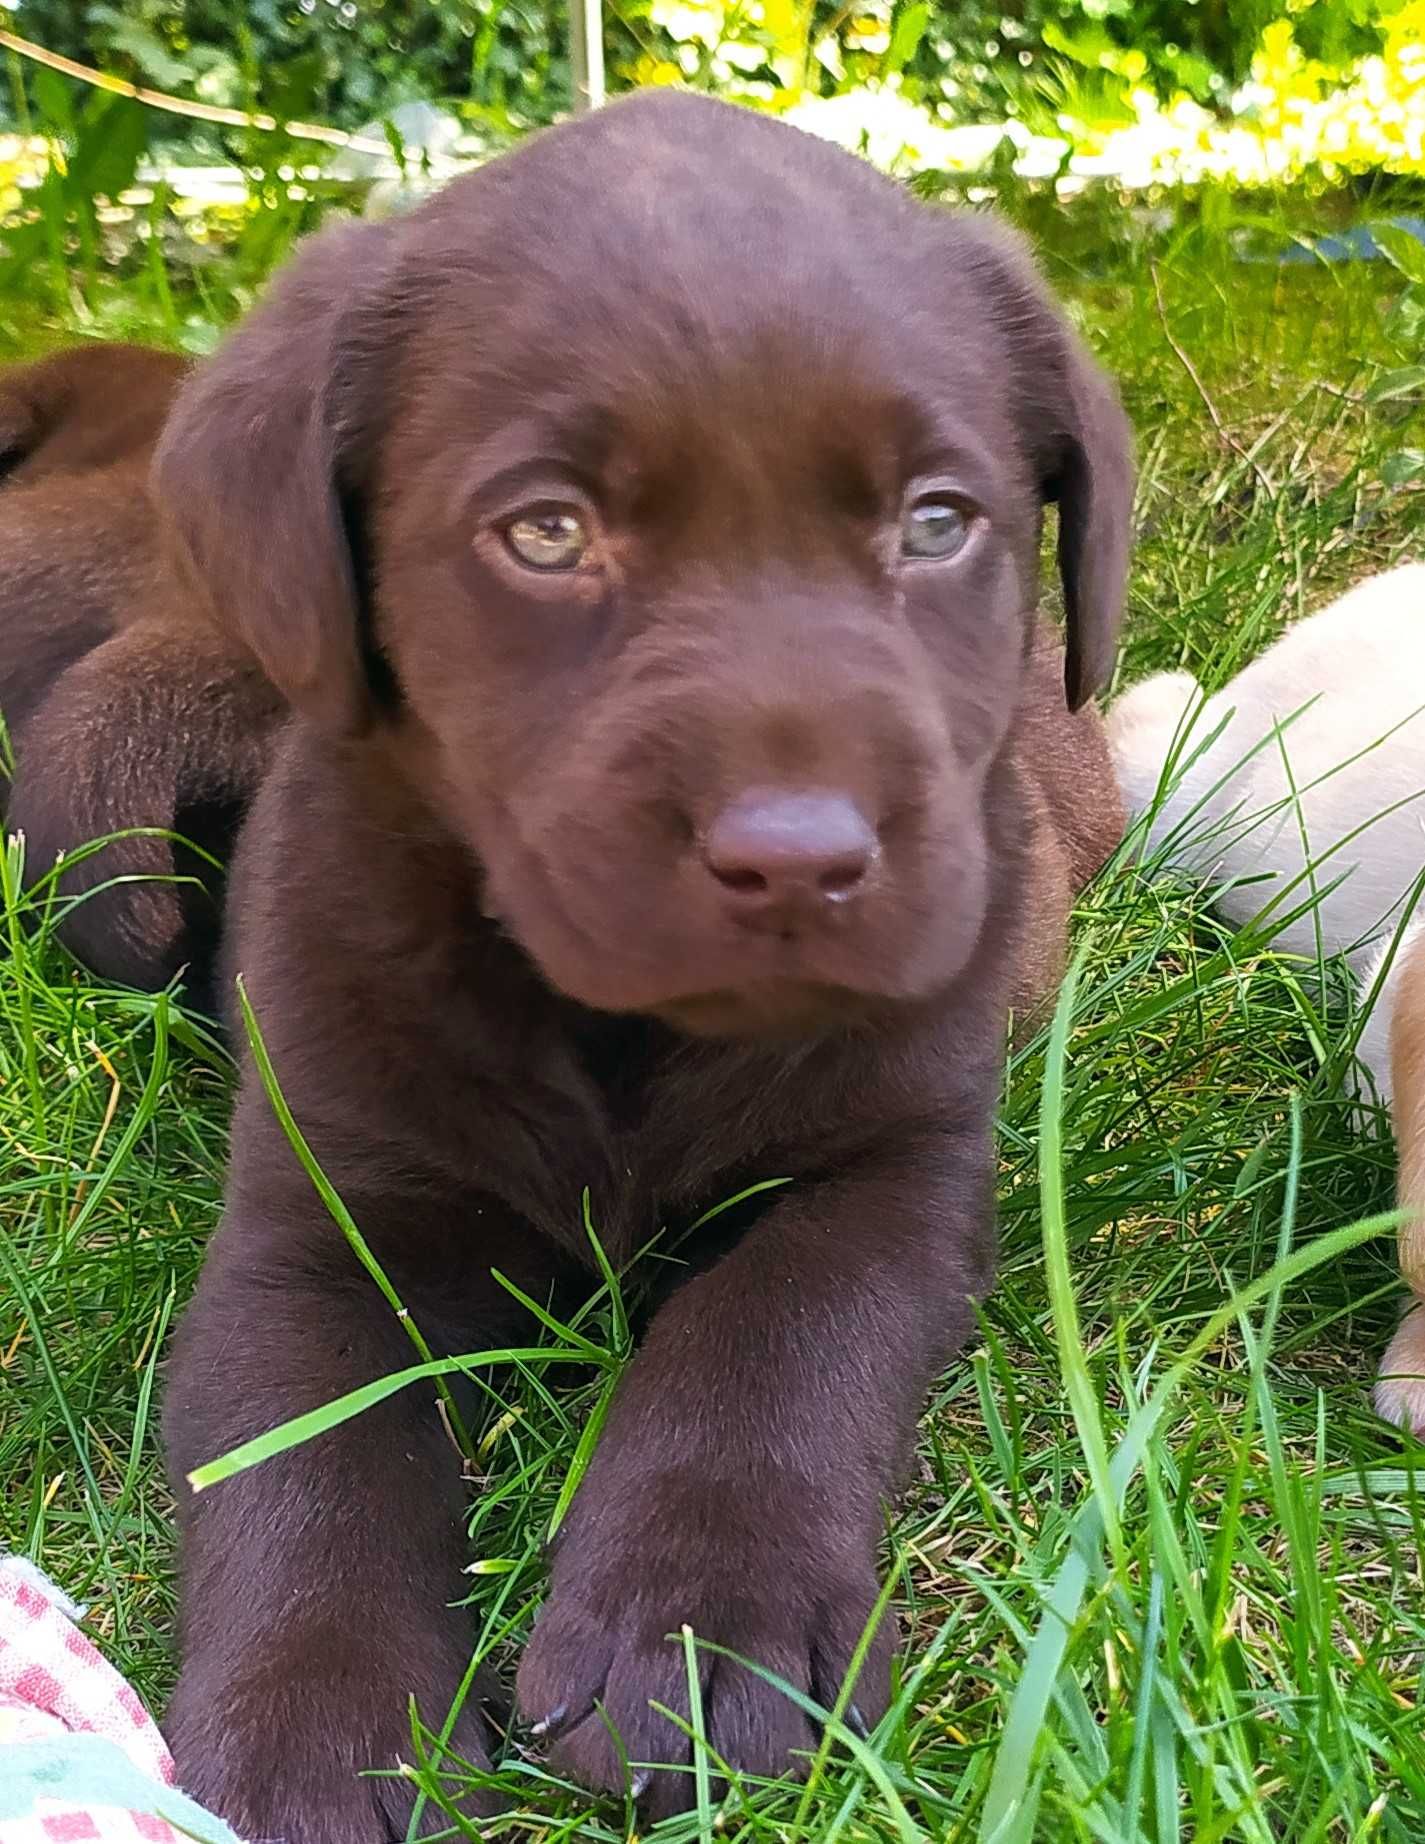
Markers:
<point>1400,1387</point>
<point>321,1589</point>
<point>150,730</point>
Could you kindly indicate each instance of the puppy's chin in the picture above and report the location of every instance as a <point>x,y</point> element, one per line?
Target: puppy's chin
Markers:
<point>785,1006</point>
<point>706,986</point>
<point>781,1011</point>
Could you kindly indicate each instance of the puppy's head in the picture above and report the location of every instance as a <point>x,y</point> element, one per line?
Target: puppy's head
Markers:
<point>670,493</point>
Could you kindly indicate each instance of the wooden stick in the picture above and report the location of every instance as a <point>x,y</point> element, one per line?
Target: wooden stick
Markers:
<point>197,111</point>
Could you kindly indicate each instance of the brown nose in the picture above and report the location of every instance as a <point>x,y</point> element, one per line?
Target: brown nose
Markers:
<point>770,850</point>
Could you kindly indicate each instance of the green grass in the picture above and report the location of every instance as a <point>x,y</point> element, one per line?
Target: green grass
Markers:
<point>1159,1565</point>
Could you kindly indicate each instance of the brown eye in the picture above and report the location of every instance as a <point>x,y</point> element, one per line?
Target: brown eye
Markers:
<point>934,529</point>
<point>554,540</point>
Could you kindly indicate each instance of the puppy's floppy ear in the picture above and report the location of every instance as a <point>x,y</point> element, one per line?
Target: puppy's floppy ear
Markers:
<point>1093,484</point>
<point>1082,449</point>
<point>261,469</point>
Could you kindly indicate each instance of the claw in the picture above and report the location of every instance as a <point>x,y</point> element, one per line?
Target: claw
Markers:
<point>640,1784</point>
<point>560,1720</point>
<point>856,1722</point>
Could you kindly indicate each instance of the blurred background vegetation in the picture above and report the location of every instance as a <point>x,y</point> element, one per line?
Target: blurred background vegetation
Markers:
<point>501,66</point>
<point>1326,97</point>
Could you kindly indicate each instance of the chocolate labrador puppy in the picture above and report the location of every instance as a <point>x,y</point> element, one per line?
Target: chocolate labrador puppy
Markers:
<point>646,534</point>
<point>126,707</point>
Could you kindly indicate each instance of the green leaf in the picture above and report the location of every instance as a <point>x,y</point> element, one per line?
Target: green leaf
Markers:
<point>291,89</point>
<point>54,100</point>
<point>1090,46</point>
<point>307,1427</point>
<point>1073,1359</point>
<point>110,141</point>
<point>1406,382</point>
<point>905,39</point>
<point>1401,250</point>
<point>395,142</point>
<point>583,1454</point>
<point>133,39</point>
<point>1402,467</point>
<point>702,1779</point>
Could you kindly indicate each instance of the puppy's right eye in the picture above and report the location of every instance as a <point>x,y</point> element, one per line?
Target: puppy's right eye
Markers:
<point>554,538</point>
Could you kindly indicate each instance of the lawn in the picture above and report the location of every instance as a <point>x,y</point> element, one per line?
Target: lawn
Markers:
<point>1158,1569</point>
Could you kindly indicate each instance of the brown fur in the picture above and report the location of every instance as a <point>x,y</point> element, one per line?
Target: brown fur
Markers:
<point>126,707</point>
<point>476,909</point>
<point>86,408</point>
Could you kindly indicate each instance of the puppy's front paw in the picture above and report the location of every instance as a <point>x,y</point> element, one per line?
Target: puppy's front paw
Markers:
<point>763,1580</point>
<point>307,1759</point>
<point>1400,1386</point>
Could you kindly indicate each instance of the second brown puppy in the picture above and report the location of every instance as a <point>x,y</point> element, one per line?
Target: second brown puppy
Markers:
<point>646,532</point>
<point>126,706</point>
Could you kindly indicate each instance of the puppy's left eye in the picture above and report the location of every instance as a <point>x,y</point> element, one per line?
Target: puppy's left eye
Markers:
<point>935,528</point>
<point>552,539</point>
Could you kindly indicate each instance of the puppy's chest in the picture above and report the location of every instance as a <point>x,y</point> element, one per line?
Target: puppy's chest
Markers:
<point>647,1156</point>
<point>672,1131</point>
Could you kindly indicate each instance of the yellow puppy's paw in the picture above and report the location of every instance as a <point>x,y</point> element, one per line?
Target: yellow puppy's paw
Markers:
<point>1400,1386</point>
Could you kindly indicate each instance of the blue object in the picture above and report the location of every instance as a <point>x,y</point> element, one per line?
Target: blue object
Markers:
<point>90,1770</point>
<point>1353,246</point>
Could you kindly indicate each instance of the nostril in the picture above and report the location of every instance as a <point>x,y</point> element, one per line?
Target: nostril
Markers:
<point>841,879</point>
<point>743,881</point>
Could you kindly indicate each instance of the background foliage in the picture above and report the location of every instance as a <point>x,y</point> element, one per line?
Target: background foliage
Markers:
<point>353,60</point>
<point>120,217</point>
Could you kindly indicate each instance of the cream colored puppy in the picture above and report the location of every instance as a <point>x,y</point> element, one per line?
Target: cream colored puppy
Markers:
<point>1305,776</point>
<point>1299,792</point>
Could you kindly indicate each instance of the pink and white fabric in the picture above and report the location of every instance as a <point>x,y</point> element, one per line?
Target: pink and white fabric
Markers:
<point>81,1759</point>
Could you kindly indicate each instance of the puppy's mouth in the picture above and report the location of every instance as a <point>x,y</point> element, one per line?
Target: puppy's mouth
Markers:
<point>621,931</point>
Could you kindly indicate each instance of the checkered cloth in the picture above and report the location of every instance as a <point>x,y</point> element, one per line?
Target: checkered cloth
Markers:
<point>81,1761</point>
